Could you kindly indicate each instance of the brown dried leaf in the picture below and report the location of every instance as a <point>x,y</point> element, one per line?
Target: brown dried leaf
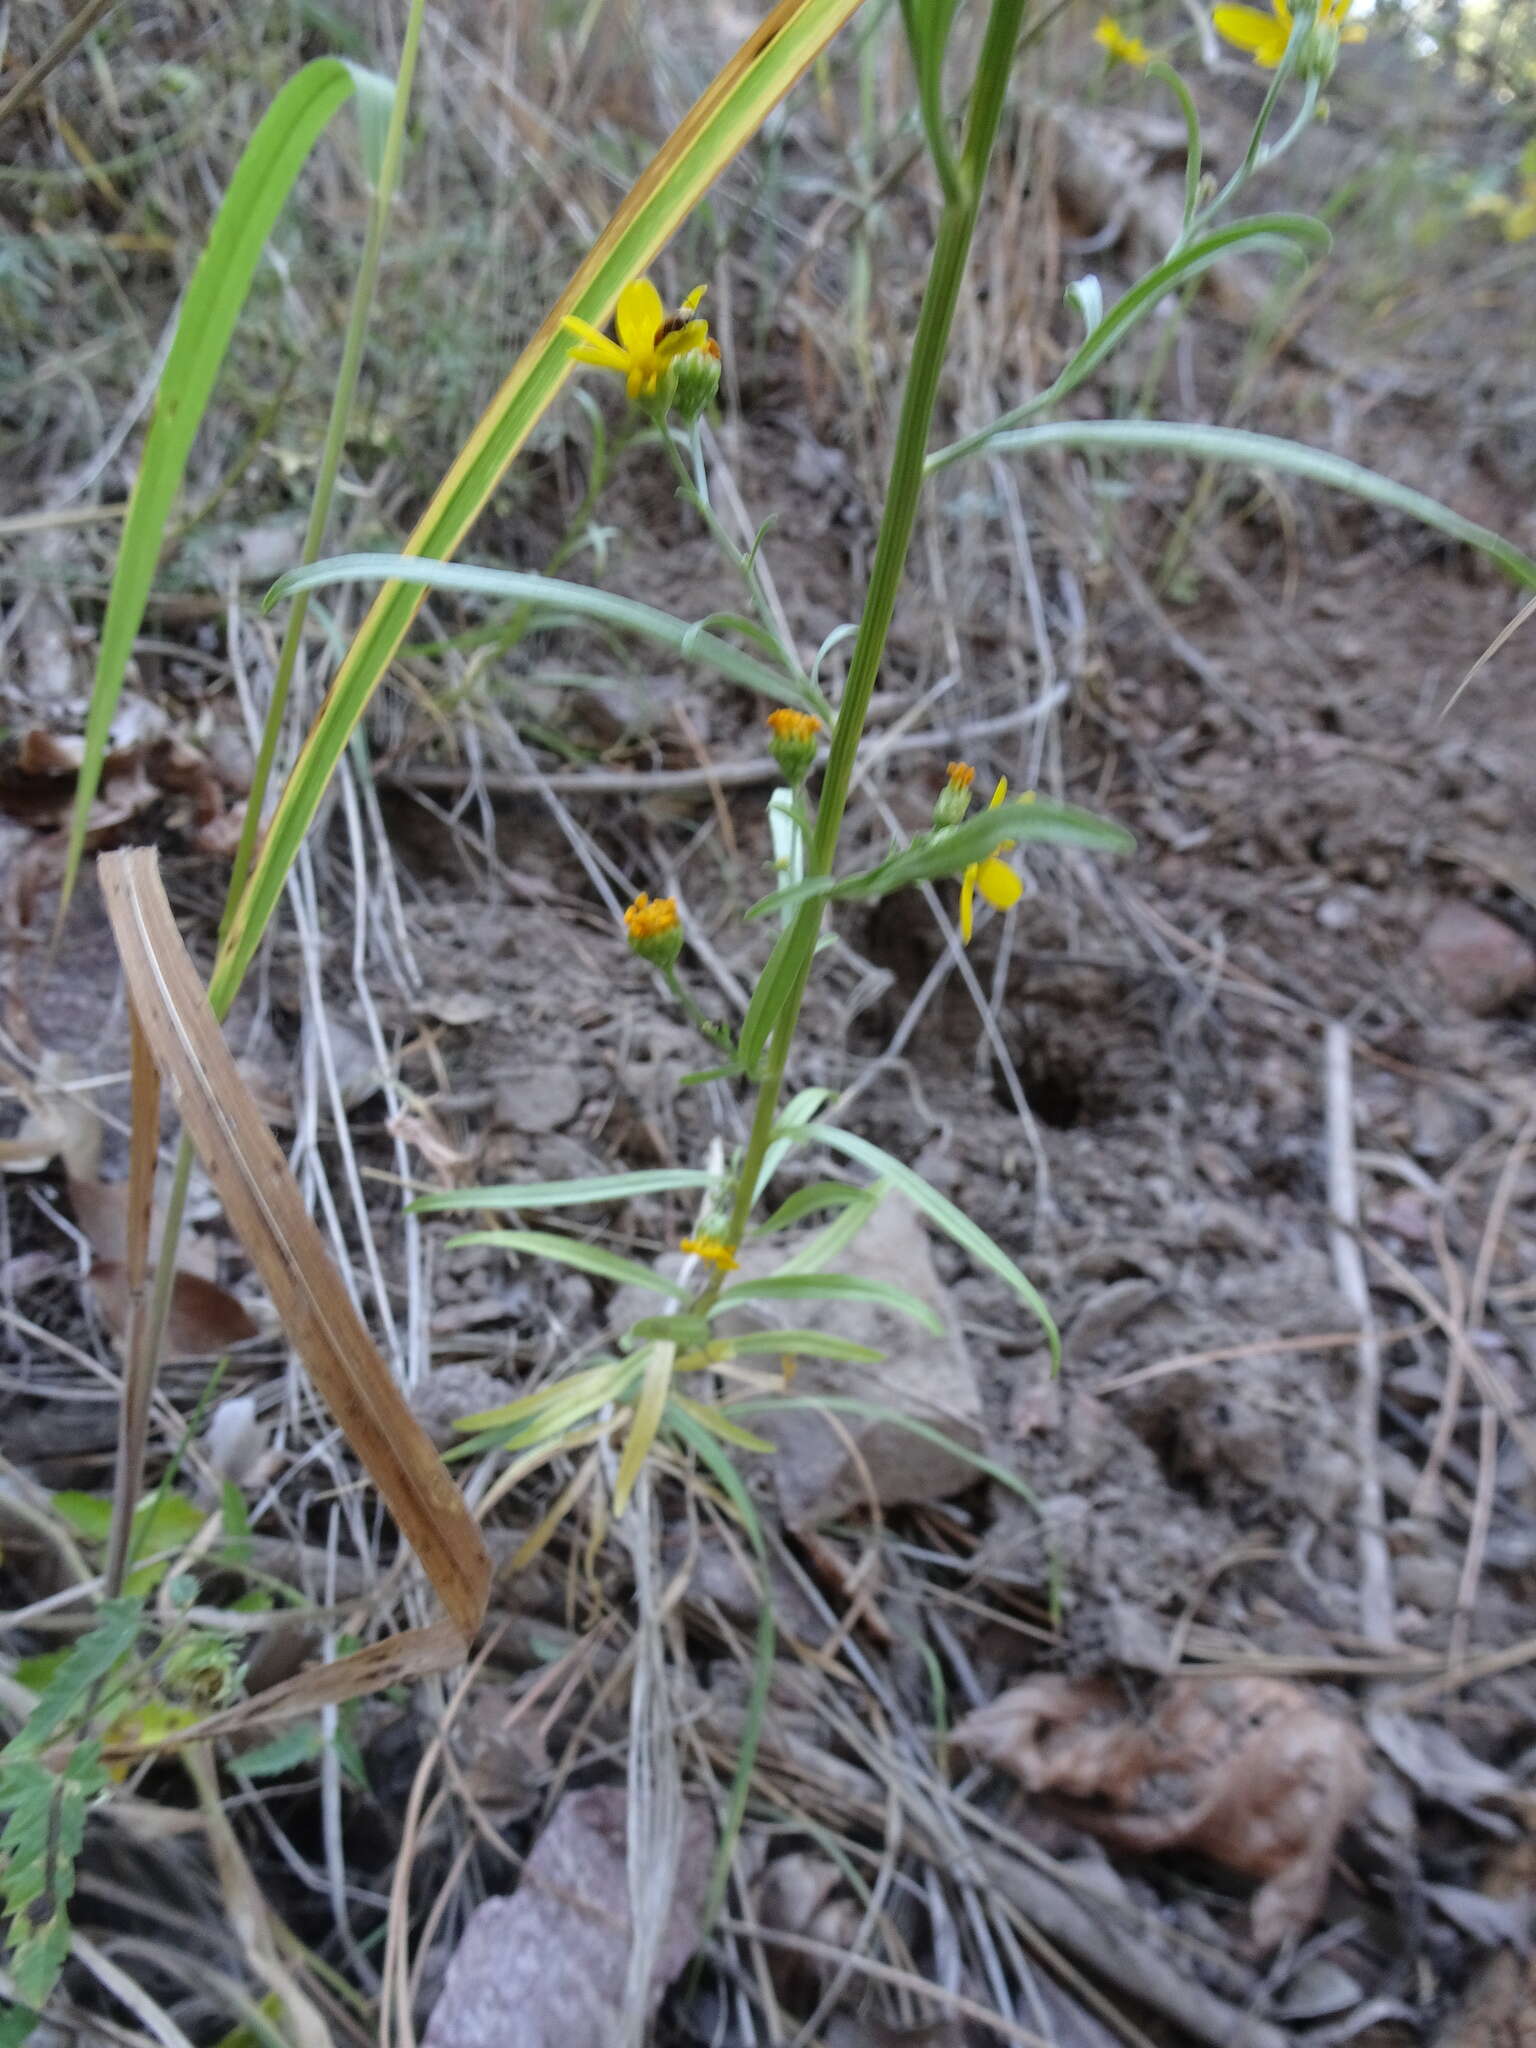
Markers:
<point>60,1124</point>
<point>266,1210</point>
<point>204,1320</point>
<point>1249,1771</point>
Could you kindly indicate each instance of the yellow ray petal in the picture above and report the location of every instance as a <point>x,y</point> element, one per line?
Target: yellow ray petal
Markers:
<point>999,884</point>
<point>691,303</point>
<point>573,324</point>
<point>694,335</point>
<point>604,357</point>
<point>1264,36</point>
<point>968,905</point>
<point>640,314</point>
<point>999,793</point>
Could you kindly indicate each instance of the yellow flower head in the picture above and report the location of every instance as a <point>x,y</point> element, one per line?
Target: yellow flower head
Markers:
<point>954,799</point>
<point>993,877</point>
<point>712,1249</point>
<point>655,930</point>
<point>1266,37</point>
<point>649,339</point>
<point>1117,44</point>
<point>798,726</point>
<point>960,775</point>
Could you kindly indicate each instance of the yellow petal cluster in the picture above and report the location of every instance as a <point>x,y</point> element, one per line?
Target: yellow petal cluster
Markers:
<point>714,1250</point>
<point>647,343</point>
<point>1266,37</point>
<point>1122,48</point>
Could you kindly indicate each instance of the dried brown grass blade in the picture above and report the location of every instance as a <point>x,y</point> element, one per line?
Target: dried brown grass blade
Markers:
<point>265,1209</point>
<point>138,1356</point>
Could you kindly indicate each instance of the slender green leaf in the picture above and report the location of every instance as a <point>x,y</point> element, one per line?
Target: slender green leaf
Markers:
<point>560,1194</point>
<point>655,1385</point>
<point>809,1201</point>
<point>939,1209</point>
<point>670,1329</point>
<point>262,180</point>
<point>546,593</point>
<point>772,993</point>
<point>828,1287</point>
<point>711,1419</point>
<point>799,1110</point>
<point>802,1344</point>
<point>570,1251</point>
<point>1296,230</point>
<point>875,1411</point>
<point>1265,451</point>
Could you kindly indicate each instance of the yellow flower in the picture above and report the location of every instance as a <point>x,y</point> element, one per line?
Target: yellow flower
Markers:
<point>713,1249</point>
<point>993,877</point>
<point>1114,40</point>
<point>648,339</point>
<point>655,931</point>
<point>801,727</point>
<point>1266,37</point>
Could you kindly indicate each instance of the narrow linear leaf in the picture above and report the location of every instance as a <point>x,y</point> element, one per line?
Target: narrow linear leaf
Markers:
<point>262,180</point>
<point>570,1251</point>
<point>772,993</point>
<point>655,1385</point>
<point>938,1208</point>
<point>803,1344</point>
<point>719,1425</point>
<point>809,1201</point>
<point>1265,451</point>
<point>561,1194</point>
<point>1297,230</point>
<point>545,593</point>
<point>828,1287</point>
<point>267,1212</point>
<point>876,1411</point>
<point>599,1381</point>
<point>716,128</point>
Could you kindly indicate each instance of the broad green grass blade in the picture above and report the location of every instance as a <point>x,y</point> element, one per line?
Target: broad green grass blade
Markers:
<point>938,1208</point>
<point>263,178</point>
<point>828,1287</point>
<point>559,1194</point>
<point>1261,451</point>
<point>550,594</point>
<point>570,1251</point>
<point>718,126</point>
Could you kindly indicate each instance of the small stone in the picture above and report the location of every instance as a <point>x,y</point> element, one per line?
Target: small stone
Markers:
<point>1482,963</point>
<point>828,1464</point>
<point>451,1392</point>
<point>538,1099</point>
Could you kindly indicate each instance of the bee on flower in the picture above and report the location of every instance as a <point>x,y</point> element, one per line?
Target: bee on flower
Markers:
<point>649,343</point>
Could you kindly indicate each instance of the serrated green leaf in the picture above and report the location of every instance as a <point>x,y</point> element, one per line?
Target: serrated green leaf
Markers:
<point>938,1208</point>
<point>571,1251</point>
<point>103,1646</point>
<point>558,1194</point>
<point>828,1287</point>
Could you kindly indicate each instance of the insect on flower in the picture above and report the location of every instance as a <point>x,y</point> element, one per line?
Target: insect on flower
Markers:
<point>649,338</point>
<point>1266,37</point>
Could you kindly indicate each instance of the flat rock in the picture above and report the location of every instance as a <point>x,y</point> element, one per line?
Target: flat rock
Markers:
<point>1481,962</point>
<point>545,1967</point>
<point>537,1099</point>
<point>827,1464</point>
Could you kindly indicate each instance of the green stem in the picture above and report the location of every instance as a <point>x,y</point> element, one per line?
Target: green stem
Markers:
<point>957,225</point>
